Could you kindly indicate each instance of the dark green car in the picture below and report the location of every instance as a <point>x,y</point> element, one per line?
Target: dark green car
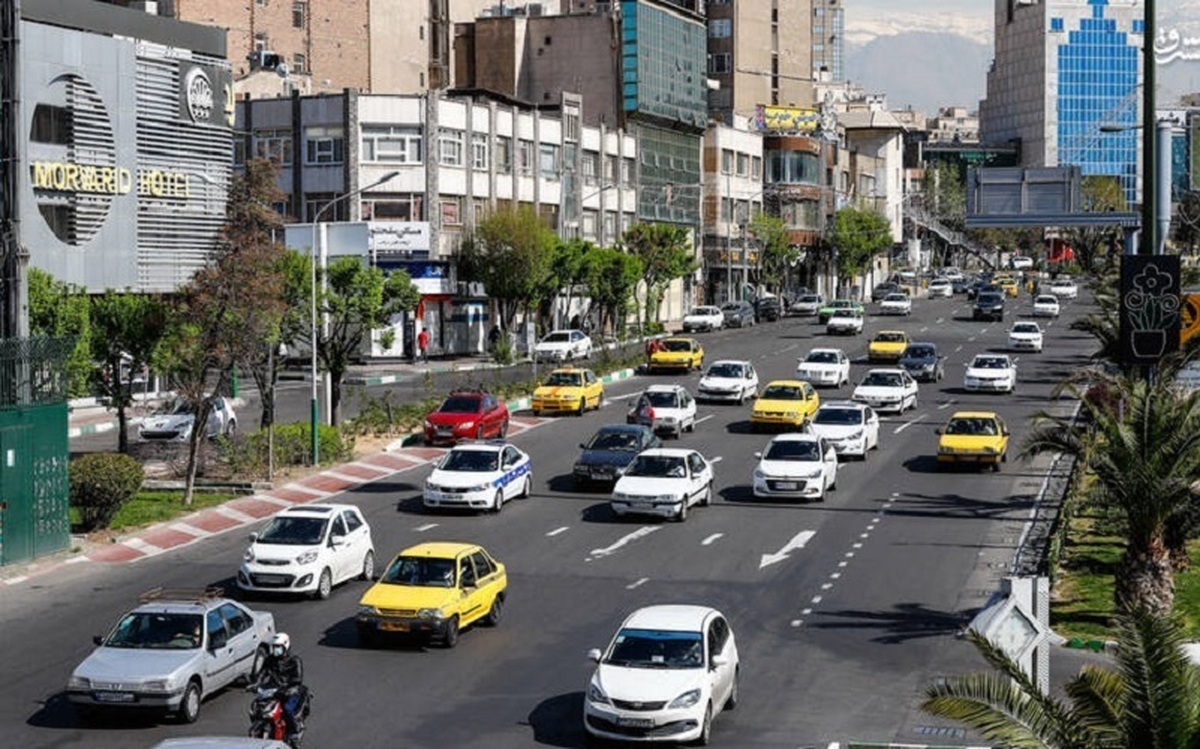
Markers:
<point>827,311</point>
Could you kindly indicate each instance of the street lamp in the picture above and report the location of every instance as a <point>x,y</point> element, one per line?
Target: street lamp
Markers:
<point>313,417</point>
<point>1156,182</point>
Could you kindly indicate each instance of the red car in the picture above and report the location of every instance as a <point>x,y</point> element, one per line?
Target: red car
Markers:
<point>467,414</point>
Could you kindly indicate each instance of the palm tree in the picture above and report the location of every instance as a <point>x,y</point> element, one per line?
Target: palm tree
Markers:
<point>1150,700</point>
<point>1143,453</point>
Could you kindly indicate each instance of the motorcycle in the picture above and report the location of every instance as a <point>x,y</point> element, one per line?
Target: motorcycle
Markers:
<point>267,719</point>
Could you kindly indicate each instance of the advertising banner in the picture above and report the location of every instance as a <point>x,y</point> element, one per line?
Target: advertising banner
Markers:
<point>1149,308</point>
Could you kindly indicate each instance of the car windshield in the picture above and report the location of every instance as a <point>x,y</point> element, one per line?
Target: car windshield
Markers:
<point>972,426</point>
<point>670,345</point>
<point>652,648</point>
<point>460,404</point>
<point>658,466</point>
<point>783,393</point>
<point>845,313</point>
<point>838,416</point>
<point>731,307</point>
<point>881,380</point>
<point>1045,300</point>
<point>470,461</point>
<point>895,298</point>
<point>563,379</point>
<point>794,450</point>
<point>705,311</point>
<point>620,441</point>
<point>157,631</point>
<point>178,406</point>
<point>725,370</point>
<point>1025,327</point>
<point>920,352</point>
<point>426,572</point>
<point>822,357</point>
<point>890,338</point>
<point>292,530</point>
<point>662,398</point>
<point>990,298</point>
<point>990,362</point>
<point>841,304</point>
<point>809,299</point>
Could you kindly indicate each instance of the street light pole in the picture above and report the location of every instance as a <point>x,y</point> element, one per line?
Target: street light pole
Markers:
<point>1149,244</point>
<point>314,420</point>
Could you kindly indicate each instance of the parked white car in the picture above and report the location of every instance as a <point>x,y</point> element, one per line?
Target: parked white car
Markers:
<point>852,428</point>
<point>479,475</point>
<point>1064,287</point>
<point>796,466</point>
<point>1045,305</point>
<point>703,319</point>
<point>174,422</point>
<point>807,305</point>
<point>940,288</point>
<point>887,390</point>
<point>663,482</point>
<point>895,304</point>
<point>563,345</point>
<point>728,380</point>
<point>1020,262</point>
<point>667,673</point>
<point>308,549</point>
<point>950,273</point>
<point>667,409</point>
<point>824,366</point>
<point>993,373</point>
<point>845,322</point>
<point>1025,336</point>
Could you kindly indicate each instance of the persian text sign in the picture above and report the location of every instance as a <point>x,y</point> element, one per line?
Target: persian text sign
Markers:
<point>787,119</point>
<point>1149,308</point>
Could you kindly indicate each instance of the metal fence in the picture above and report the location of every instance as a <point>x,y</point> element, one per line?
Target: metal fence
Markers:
<point>33,371</point>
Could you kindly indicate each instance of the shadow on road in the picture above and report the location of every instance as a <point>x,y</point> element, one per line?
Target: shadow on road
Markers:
<point>556,721</point>
<point>903,622</point>
<point>344,634</point>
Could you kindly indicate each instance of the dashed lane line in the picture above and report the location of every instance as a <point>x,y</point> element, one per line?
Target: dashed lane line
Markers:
<point>637,583</point>
<point>426,527</point>
<point>907,424</point>
<point>708,541</point>
<point>557,531</point>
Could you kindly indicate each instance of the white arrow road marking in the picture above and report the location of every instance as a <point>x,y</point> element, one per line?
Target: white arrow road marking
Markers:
<point>907,424</point>
<point>645,530</point>
<point>708,541</point>
<point>947,404</point>
<point>798,541</point>
<point>426,527</point>
<point>557,531</point>
<point>637,584</point>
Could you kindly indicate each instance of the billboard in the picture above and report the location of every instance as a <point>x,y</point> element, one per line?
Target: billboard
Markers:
<point>1149,308</point>
<point>787,119</point>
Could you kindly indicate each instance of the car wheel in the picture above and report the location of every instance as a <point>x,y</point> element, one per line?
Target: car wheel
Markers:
<point>683,511</point>
<point>526,488</point>
<point>498,501</point>
<point>504,429</point>
<point>189,707</point>
<point>231,428</point>
<point>996,467</point>
<point>582,405</point>
<point>915,403</point>
<point>706,499</point>
<point>496,612</point>
<point>324,585</point>
<point>691,427</point>
<point>705,728</point>
<point>450,637</point>
<point>368,567</point>
<point>732,701</point>
<point>479,432</point>
<point>256,666</point>
<point>1004,457</point>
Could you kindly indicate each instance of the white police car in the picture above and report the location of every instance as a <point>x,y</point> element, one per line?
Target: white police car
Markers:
<point>480,475</point>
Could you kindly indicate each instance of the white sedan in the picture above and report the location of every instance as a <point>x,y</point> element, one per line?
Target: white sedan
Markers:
<point>1025,336</point>
<point>796,466</point>
<point>669,670</point>
<point>845,322</point>
<point>563,345</point>
<point>1045,305</point>
<point>175,421</point>
<point>663,482</point>
<point>666,409</point>
<point>479,475</point>
<point>824,366</point>
<point>895,304</point>
<point>728,380</point>
<point>1064,288</point>
<point>852,428</point>
<point>993,373</point>
<point>703,319</point>
<point>887,390</point>
<point>807,305</point>
<point>941,287</point>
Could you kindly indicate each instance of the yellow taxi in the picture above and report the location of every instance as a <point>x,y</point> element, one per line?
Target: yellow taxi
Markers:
<point>975,437</point>
<point>785,403</point>
<point>434,590</point>
<point>887,345</point>
<point>1008,283</point>
<point>568,389</point>
<point>677,353</point>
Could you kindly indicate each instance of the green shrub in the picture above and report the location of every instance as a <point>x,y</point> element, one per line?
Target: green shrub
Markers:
<point>502,352</point>
<point>293,445</point>
<point>100,484</point>
<point>382,417</point>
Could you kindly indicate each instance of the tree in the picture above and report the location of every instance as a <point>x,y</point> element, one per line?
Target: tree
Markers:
<point>1099,194</point>
<point>777,255</point>
<point>612,279</point>
<point>1187,225</point>
<point>358,299</point>
<point>512,254</point>
<point>126,328</point>
<point>666,254</point>
<point>858,235</point>
<point>569,271</point>
<point>58,309</point>
<point>1150,700</point>
<point>1144,456</point>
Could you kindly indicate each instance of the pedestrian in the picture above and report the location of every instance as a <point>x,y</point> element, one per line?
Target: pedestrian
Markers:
<point>423,345</point>
<point>493,338</point>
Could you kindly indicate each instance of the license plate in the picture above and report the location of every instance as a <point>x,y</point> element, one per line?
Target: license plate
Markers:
<point>643,505</point>
<point>444,495</point>
<point>600,476</point>
<point>787,485</point>
<point>636,722</point>
<point>114,697</point>
<point>445,430</point>
<point>394,626</point>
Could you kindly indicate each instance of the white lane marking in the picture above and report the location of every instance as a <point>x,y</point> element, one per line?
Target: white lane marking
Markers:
<point>797,622</point>
<point>637,584</point>
<point>816,599</point>
<point>864,535</point>
<point>924,328</point>
<point>797,542</point>
<point>717,459</point>
<point>645,530</point>
<point>947,404</point>
<point>625,397</point>
<point>843,563</point>
<point>806,612</point>
<point>958,349</point>
<point>786,349</point>
<point>703,419</point>
<point>834,575</point>
<point>557,531</point>
<point>970,340</point>
<point>826,586</point>
<point>426,527</point>
<point>907,424</point>
<point>850,554</point>
<point>940,320</point>
<point>982,332</point>
<point>856,546</point>
<point>708,541</point>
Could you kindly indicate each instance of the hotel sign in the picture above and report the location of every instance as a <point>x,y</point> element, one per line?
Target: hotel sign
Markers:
<point>96,179</point>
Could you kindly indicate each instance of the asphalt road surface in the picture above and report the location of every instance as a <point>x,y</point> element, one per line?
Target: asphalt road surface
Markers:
<point>837,637</point>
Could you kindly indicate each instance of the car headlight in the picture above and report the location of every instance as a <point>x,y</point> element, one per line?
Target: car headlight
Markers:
<point>428,424</point>
<point>687,699</point>
<point>466,425</point>
<point>79,682</point>
<point>159,685</point>
<point>597,695</point>
<point>249,555</point>
<point>368,611</point>
<point>992,449</point>
<point>308,557</point>
<point>431,614</point>
<point>857,435</point>
<point>669,497</point>
<point>792,414</point>
<point>479,488</point>
<point>759,474</point>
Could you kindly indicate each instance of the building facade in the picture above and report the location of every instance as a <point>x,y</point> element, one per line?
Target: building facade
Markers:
<point>1064,71</point>
<point>733,196</point>
<point>828,40</point>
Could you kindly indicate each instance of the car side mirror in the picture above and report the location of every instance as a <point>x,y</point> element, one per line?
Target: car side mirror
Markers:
<point>97,639</point>
<point>217,640</point>
<point>718,660</point>
<point>1003,432</point>
<point>253,537</point>
<point>336,541</point>
<point>582,446</point>
<point>758,455</point>
<point>593,655</point>
<point>939,430</point>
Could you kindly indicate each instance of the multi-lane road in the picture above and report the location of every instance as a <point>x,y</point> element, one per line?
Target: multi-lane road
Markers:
<point>843,611</point>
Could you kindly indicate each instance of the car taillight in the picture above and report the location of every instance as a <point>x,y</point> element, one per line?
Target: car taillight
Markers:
<point>650,412</point>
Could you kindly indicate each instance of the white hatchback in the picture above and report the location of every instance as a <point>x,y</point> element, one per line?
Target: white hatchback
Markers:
<point>796,466</point>
<point>824,366</point>
<point>851,428</point>
<point>663,482</point>
<point>1045,305</point>
<point>728,380</point>
<point>703,318</point>
<point>1064,288</point>
<point>667,409</point>
<point>845,322</point>
<point>308,549</point>
<point>896,304</point>
<point>993,373</point>
<point>667,672</point>
<point>941,287</point>
<point>1025,336</point>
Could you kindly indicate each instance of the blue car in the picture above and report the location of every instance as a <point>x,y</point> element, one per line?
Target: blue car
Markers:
<point>610,451</point>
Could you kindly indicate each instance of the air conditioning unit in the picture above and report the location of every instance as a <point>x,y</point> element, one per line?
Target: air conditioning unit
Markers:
<point>265,59</point>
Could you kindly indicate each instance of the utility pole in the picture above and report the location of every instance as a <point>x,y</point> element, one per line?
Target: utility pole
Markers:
<point>1149,244</point>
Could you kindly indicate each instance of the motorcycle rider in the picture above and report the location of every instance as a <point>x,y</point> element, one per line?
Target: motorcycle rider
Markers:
<point>284,672</point>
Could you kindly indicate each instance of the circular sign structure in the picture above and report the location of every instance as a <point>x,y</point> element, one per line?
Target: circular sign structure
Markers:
<point>199,92</point>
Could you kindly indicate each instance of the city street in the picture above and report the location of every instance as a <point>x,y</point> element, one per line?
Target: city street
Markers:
<point>843,611</point>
